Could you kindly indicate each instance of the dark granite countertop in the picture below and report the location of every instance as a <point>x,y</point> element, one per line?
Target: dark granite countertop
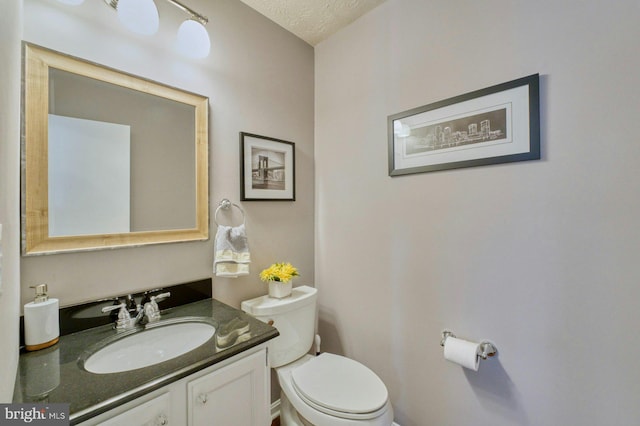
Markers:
<point>55,374</point>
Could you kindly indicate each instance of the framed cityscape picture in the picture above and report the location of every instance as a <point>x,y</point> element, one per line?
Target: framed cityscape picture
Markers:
<point>267,168</point>
<point>498,124</point>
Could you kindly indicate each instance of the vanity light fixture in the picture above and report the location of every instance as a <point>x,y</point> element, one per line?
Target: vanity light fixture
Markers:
<point>193,39</point>
<point>141,16</point>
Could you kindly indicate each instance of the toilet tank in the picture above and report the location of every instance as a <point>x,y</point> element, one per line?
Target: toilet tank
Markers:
<point>295,319</point>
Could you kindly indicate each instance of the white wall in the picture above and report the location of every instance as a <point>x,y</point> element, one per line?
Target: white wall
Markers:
<point>10,34</point>
<point>259,79</point>
<point>541,257</point>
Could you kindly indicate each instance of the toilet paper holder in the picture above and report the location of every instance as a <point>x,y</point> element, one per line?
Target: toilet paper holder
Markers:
<point>485,349</point>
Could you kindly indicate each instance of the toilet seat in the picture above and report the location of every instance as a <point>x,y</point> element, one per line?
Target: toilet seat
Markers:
<point>340,387</point>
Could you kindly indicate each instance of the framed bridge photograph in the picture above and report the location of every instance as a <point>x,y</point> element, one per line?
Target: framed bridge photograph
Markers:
<point>498,124</point>
<point>267,168</point>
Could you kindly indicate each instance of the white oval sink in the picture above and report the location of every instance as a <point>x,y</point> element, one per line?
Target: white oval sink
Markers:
<point>153,345</point>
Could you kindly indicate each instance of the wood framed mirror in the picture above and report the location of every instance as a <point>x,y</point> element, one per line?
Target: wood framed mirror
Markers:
<point>109,159</point>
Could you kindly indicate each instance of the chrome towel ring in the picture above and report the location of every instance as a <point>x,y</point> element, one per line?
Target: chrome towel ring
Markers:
<point>225,204</point>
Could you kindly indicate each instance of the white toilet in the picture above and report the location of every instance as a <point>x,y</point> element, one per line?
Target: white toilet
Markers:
<point>327,390</point>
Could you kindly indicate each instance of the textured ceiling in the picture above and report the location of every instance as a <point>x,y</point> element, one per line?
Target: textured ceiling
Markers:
<point>313,20</point>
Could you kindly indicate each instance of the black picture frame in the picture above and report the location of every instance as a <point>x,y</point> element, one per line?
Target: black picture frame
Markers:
<point>267,168</point>
<point>498,124</point>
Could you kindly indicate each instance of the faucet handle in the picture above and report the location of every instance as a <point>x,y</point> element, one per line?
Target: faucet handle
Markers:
<point>151,309</point>
<point>124,320</point>
<point>113,308</point>
<point>160,297</point>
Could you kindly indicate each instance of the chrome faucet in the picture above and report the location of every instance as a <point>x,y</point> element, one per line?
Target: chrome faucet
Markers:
<point>124,321</point>
<point>149,311</point>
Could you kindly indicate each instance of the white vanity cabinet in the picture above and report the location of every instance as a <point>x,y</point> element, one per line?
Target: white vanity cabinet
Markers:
<point>232,392</point>
<point>234,395</point>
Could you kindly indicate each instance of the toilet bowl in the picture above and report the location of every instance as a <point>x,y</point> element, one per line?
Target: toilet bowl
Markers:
<point>332,390</point>
<point>323,390</point>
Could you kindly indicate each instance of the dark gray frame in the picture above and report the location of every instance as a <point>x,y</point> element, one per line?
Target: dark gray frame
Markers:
<point>243,184</point>
<point>534,128</point>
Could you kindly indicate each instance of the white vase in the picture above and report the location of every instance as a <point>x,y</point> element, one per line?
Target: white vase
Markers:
<point>278,289</point>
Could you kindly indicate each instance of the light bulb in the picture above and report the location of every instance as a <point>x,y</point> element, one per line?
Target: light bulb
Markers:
<point>72,2</point>
<point>139,16</point>
<point>193,39</point>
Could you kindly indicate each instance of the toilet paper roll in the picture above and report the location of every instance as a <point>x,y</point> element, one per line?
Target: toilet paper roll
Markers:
<point>462,352</point>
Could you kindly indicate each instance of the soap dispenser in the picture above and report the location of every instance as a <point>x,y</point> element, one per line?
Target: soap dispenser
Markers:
<point>41,325</point>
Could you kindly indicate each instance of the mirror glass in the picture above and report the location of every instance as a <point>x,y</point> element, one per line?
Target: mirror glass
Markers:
<point>110,159</point>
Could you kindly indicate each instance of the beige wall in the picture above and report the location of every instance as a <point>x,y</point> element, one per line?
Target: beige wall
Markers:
<point>10,33</point>
<point>259,79</point>
<point>541,257</point>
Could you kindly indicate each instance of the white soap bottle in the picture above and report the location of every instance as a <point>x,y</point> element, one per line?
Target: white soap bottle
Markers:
<point>41,325</point>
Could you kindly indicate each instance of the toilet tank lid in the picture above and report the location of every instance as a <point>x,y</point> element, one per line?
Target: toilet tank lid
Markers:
<point>265,305</point>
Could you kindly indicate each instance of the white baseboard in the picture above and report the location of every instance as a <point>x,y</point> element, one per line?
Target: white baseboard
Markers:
<point>275,411</point>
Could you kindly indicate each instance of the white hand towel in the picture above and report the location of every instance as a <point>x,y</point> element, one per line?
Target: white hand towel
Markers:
<point>231,258</point>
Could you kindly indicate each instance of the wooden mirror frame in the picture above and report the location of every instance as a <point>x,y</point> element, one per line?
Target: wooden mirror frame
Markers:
<point>35,208</point>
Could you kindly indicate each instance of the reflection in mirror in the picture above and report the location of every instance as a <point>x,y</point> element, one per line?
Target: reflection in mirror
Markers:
<point>162,149</point>
<point>89,180</point>
<point>110,159</point>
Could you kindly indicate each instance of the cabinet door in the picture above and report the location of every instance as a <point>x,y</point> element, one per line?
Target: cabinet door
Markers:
<point>155,412</point>
<point>234,395</point>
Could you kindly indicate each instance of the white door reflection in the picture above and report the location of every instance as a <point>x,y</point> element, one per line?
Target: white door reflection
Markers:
<point>89,177</point>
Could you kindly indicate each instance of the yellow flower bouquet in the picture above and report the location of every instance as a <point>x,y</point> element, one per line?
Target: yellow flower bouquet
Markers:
<point>279,276</point>
<point>280,272</point>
